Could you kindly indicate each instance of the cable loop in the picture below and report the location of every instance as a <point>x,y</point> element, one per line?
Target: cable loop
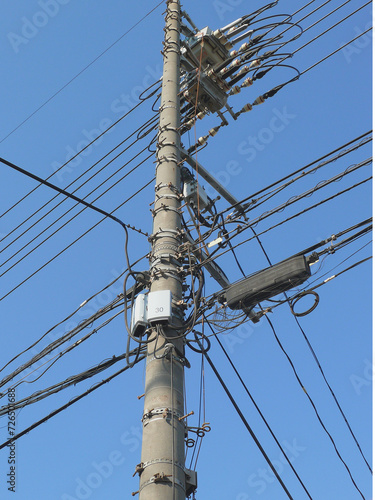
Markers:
<point>298,298</point>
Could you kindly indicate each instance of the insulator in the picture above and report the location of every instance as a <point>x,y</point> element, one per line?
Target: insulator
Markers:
<point>235,90</point>
<point>201,115</point>
<point>246,108</point>
<point>234,53</point>
<point>189,124</point>
<point>244,46</point>
<point>210,73</point>
<point>247,82</point>
<point>224,70</point>
<point>235,63</point>
<point>233,28</point>
<point>258,100</point>
<point>255,63</point>
<point>214,131</point>
<point>217,33</point>
<point>202,140</point>
<point>243,70</point>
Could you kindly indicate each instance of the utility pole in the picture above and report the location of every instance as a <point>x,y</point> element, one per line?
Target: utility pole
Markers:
<point>162,470</point>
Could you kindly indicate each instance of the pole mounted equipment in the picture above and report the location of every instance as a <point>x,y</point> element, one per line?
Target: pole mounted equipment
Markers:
<point>162,469</point>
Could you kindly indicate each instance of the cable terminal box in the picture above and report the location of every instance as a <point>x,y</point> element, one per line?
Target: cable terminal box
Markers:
<point>150,309</point>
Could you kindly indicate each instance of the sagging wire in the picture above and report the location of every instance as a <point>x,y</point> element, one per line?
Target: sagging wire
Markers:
<point>67,405</point>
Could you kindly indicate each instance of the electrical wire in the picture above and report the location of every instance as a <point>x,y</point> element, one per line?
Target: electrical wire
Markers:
<point>313,405</point>
<point>73,380</point>
<point>335,51</point>
<point>82,71</point>
<point>61,340</point>
<point>65,406</point>
<point>24,221</point>
<point>245,422</point>
<point>258,409</point>
<point>292,217</point>
<point>354,147</point>
<point>296,198</point>
<point>75,215</point>
<point>75,241</point>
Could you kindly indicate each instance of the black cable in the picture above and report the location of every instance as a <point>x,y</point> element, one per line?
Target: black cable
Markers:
<point>304,334</point>
<point>61,340</point>
<point>245,422</point>
<point>75,215</point>
<point>68,186</point>
<point>75,241</point>
<point>291,217</point>
<point>302,169</point>
<point>335,51</point>
<point>294,199</point>
<point>65,406</point>
<point>62,191</point>
<point>82,71</point>
<point>313,405</point>
<point>333,26</point>
<point>258,409</point>
<point>73,380</point>
<point>62,166</point>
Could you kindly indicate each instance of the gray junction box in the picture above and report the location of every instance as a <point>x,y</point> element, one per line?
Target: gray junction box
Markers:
<point>268,283</point>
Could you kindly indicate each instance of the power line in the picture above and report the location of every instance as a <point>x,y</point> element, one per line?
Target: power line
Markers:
<point>313,405</point>
<point>62,166</point>
<point>82,71</point>
<point>74,216</point>
<point>332,249</point>
<point>65,406</point>
<point>340,154</point>
<point>335,51</point>
<point>242,417</point>
<point>340,193</point>
<point>75,198</point>
<point>75,241</point>
<point>258,409</point>
<point>71,184</point>
<point>292,200</point>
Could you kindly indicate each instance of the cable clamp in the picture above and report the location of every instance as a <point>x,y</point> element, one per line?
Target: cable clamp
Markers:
<point>165,413</point>
<point>160,478</point>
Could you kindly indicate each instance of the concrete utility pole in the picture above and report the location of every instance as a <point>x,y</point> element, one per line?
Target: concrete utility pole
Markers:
<point>162,470</point>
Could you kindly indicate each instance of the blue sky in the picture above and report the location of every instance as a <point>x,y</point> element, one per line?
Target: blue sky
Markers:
<point>91,449</point>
